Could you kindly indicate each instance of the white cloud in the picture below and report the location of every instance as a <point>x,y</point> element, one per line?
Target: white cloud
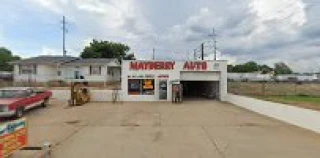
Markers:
<point>53,5</point>
<point>87,41</point>
<point>263,30</point>
<point>222,56</point>
<point>53,51</point>
<point>287,15</point>
<point>111,18</point>
<point>1,37</point>
<point>49,51</point>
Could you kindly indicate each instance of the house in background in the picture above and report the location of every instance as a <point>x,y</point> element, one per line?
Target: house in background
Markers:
<point>52,68</point>
<point>93,70</point>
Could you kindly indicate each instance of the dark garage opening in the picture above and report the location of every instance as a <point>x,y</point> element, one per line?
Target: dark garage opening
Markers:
<point>200,90</point>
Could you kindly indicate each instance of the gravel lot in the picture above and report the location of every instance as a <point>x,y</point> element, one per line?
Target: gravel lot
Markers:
<point>192,129</point>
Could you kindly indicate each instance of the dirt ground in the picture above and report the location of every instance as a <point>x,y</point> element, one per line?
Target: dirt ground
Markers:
<point>193,129</point>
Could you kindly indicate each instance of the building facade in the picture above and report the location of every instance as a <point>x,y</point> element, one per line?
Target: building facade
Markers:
<point>156,80</point>
<point>51,68</point>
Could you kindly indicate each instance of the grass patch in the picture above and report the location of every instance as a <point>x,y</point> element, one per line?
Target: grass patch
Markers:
<point>307,102</point>
<point>293,99</point>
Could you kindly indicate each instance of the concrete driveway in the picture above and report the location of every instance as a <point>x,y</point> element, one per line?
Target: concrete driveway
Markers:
<point>195,129</point>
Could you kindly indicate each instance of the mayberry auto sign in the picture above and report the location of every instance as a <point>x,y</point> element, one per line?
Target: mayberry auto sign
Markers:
<point>167,65</point>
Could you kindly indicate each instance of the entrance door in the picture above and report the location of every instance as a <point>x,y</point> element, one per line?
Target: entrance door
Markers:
<point>163,89</point>
<point>77,74</point>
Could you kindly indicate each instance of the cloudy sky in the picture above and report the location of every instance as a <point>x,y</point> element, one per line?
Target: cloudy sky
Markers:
<point>266,31</point>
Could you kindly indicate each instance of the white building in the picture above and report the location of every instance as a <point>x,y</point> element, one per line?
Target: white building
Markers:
<point>158,80</point>
<point>249,77</point>
<point>297,77</point>
<point>307,78</point>
<point>50,68</point>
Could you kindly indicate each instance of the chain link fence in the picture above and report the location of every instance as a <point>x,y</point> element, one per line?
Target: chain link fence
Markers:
<point>274,88</point>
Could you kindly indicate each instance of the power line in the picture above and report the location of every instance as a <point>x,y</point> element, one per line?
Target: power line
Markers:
<point>153,54</point>
<point>202,51</point>
<point>213,35</point>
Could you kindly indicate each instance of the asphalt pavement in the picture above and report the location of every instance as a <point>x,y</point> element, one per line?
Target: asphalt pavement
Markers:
<point>193,129</point>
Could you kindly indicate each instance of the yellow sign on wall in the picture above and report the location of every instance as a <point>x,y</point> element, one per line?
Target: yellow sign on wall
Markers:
<point>13,136</point>
<point>148,84</point>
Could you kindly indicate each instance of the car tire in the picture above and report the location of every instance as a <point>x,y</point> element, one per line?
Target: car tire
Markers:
<point>45,102</point>
<point>19,112</point>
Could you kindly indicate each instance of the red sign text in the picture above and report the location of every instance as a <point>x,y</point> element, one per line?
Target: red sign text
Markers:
<point>195,65</point>
<point>169,65</point>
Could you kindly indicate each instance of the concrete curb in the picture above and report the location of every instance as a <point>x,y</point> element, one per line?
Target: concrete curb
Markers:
<point>304,118</point>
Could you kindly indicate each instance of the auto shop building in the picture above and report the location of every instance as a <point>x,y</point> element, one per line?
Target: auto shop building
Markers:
<point>160,80</point>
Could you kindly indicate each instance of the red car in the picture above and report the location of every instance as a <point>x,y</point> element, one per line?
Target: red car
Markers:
<point>15,100</point>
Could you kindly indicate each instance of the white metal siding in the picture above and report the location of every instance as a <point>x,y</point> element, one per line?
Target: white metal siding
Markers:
<point>174,75</point>
<point>199,76</point>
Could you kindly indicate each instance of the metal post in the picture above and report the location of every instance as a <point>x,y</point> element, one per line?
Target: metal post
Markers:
<point>202,51</point>
<point>46,150</point>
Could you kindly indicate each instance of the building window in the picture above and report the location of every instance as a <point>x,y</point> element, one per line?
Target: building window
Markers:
<point>134,87</point>
<point>59,73</point>
<point>141,87</point>
<point>110,71</point>
<point>148,87</point>
<point>28,69</point>
<point>95,70</point>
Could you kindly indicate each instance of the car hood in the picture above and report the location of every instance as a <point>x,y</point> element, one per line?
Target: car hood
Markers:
<point>6,101</point>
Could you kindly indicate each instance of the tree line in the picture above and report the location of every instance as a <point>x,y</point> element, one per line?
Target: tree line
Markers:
<point>251,66</point>
<point>5,57</point>
<point>109,49</point>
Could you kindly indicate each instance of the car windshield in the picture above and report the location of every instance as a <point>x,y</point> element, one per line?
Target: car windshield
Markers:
<point>11,93</point>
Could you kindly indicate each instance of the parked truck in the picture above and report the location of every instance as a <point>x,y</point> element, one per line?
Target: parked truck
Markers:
<point>14,101</point>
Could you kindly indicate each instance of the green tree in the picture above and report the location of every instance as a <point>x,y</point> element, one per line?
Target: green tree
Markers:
<point>246,67</point>
<point>230,68</point>
<point>265,69</point>
<point>5,57</point>
<point>105,49</point>
<point>251,66</point>
<point>282,68</point>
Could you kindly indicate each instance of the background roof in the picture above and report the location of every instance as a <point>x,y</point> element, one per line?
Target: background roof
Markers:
<point>67,60</point>
<point>46,60</point>
<point>92,61</point>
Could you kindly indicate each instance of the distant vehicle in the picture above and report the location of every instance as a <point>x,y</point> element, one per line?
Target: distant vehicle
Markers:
<point>14,101</point>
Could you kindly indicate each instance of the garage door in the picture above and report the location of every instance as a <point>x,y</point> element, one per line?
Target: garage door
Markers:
<point>199,76</point>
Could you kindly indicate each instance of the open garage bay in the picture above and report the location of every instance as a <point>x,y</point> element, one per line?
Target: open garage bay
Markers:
<point>192,129</point>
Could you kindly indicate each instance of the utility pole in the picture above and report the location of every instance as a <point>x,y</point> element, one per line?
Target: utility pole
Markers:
<point>213,35</point>
<point>64,31</point>
<point>202,51</point>
<point>153,53</point>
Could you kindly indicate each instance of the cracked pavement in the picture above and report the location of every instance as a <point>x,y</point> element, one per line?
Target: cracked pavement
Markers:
<point>194,129</point>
